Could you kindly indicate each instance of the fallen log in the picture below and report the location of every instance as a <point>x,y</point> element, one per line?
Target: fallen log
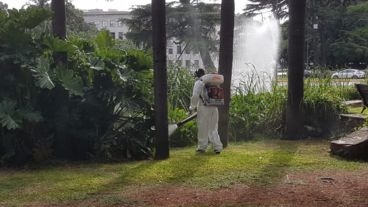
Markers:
<point>353,146</point>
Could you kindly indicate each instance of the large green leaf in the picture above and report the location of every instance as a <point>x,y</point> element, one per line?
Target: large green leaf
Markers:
<point>70,81</point>
<point>7,112</point>
<point>41,73</point>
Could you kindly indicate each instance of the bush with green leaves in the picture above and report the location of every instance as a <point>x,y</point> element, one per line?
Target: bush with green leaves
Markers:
<point>252,111</point>
<point>322,105</point>
<point>180,86</point>
<point>98,105</point>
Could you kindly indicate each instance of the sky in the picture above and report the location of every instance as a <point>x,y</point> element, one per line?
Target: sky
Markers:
<point>123,5</point>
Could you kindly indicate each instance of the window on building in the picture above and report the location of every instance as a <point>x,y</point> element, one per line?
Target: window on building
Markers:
<point>196,63</point>
<point>179,62</point>
<point>104,23</point>
<point>170,51</point>
<point>121,35</point>
<point>112,34</point>
<point>187,51</point>
<point>112,23</point>
<point>187,63</point>
<point>120,24</point>
<point>178,49</point>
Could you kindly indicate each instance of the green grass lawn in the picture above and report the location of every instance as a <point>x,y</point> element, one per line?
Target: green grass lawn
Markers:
<point>260,162</point>
<point>357,110</point>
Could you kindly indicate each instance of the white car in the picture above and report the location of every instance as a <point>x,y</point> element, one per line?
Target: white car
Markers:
<point>349,73</point>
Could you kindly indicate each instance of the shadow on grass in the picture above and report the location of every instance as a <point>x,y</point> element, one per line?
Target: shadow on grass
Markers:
<point>98,181</point>
<point>174,170</point>
<point>279,162</point>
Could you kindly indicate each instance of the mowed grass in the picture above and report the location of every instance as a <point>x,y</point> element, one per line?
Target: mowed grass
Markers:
<point>357,110</point>
<point>260,162</point>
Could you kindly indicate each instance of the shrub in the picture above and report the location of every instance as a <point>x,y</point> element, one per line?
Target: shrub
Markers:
<point>98,105</point>
<point>251,112</point>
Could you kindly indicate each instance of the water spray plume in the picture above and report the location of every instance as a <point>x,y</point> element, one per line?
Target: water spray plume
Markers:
<point>256,52</point>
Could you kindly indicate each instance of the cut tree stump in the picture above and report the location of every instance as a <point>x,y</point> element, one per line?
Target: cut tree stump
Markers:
<point>353,146</point>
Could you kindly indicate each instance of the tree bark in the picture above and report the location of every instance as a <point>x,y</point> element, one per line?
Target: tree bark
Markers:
<point>294,113</point>
<point>160,79</point>
<point>226,64</point>
<point>207,60</point>
<point>59,27</point>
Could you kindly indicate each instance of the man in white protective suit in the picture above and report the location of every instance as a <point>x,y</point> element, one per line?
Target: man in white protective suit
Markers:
<point>207,117</point>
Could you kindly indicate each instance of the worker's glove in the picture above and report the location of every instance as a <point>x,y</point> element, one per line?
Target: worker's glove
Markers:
<point>192,109</point>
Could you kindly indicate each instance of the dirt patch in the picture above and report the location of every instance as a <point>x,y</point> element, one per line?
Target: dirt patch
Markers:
<point>297,189</point>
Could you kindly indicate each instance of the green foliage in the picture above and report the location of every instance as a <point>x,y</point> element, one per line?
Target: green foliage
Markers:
<point>97,106</point>
<point>251,112</point>
<point>322,106</point>
<point>180,86</point>
<point>41,74</point>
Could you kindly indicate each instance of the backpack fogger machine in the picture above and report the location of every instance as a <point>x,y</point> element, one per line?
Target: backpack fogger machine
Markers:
<point>173,127</point>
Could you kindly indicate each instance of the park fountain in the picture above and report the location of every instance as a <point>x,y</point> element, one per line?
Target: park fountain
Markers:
<point>256,47</point>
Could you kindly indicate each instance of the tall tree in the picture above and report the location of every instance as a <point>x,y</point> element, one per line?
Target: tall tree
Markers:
<point>189,23</point>
<point>73,17</point>
<point>140,26</point>
<point>277,7</point>
<point>195,25</point>
<point>294,114</point>
<point>59,25</point>
<point>160,78</point>
<point>226,63</point>
<point>3,6</point>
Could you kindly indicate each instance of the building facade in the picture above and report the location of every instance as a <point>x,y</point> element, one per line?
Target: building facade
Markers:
<point>177,54</point>
<point>108,20</point>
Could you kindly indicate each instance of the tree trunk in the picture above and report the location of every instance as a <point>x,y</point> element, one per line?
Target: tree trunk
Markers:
<point>226,64</point>
<point>160,78</point>
<point>206,59</point>
<point>294,113</point>
<point>59,26</point>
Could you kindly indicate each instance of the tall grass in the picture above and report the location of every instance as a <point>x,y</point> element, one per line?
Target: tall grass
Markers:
<point>180,84</point>
<point>260,110</point>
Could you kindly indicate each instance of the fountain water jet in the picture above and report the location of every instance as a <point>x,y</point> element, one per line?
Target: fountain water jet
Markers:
<point>256,48</point>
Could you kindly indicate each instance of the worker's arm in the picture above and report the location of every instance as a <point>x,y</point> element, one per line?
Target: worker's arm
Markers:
<point>197,89</point>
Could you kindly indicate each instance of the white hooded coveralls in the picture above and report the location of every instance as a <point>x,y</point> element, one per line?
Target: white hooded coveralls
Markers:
<point>207,119</point>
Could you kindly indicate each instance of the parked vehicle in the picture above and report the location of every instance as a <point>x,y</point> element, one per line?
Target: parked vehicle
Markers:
<point>349,73</point>
<point>307,73</point>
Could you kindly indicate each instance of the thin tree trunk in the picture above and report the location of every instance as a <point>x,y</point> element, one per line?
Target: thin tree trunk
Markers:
<point>160,78</point>
<point>206,59</point>
<point>63,141</point>
<point>294,113</point>
<point>226,64</point>
<point>59,26</point>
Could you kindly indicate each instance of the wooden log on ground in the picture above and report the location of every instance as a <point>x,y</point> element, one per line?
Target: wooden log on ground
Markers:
<point>353,146</point>
<point>353,103</point>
